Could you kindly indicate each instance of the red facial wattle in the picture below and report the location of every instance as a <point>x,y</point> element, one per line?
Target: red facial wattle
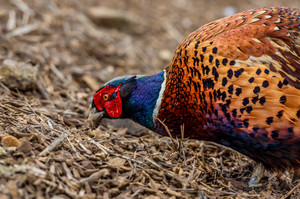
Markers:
<point>113,106</point>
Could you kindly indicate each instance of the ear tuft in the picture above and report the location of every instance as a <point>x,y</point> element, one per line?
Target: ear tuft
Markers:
<point>128,87</point>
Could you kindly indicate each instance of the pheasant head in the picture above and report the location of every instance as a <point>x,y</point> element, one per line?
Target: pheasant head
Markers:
<point>135,97</point>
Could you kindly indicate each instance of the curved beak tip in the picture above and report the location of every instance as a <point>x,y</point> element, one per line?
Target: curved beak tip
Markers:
<point>95,118</point>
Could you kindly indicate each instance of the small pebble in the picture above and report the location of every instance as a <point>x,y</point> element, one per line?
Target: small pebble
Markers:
<point>24,146</point>
<point>10,141</point>
<point>165,55</point>
<point>229,10</point>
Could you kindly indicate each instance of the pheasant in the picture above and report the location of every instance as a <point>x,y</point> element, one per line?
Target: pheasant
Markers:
<point>234,81</point>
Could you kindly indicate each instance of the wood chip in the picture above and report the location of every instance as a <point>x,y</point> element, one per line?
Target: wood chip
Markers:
<point>91,82</point>
<point>173,193</point>
<point>117,162</point>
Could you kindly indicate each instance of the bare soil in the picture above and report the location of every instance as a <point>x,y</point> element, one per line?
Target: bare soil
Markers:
<point>54,154</point>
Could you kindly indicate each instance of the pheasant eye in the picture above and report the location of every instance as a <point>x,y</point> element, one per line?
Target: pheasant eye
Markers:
<point>105,97</point>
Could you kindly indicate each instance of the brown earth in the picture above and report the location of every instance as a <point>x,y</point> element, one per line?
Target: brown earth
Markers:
<point>66,50</point>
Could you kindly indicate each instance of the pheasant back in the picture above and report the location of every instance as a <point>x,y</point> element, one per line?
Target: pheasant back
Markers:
<point>236,81</point>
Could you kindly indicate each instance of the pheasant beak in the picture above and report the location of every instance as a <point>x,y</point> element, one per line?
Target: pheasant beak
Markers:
<point>95,117</point>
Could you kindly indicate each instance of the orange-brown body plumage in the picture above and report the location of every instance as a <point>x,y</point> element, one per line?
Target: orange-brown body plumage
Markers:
<point>238,79</point>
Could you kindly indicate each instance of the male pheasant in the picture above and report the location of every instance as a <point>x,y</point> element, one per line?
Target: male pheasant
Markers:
<point>234,81</point>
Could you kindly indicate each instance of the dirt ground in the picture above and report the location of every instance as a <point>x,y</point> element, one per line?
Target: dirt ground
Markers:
<point>67,49</point>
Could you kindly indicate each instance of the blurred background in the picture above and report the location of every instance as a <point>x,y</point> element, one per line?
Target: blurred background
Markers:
<point>107,38</point>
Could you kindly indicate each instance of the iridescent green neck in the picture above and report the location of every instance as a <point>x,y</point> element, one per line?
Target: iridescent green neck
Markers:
<point>144,102</point>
